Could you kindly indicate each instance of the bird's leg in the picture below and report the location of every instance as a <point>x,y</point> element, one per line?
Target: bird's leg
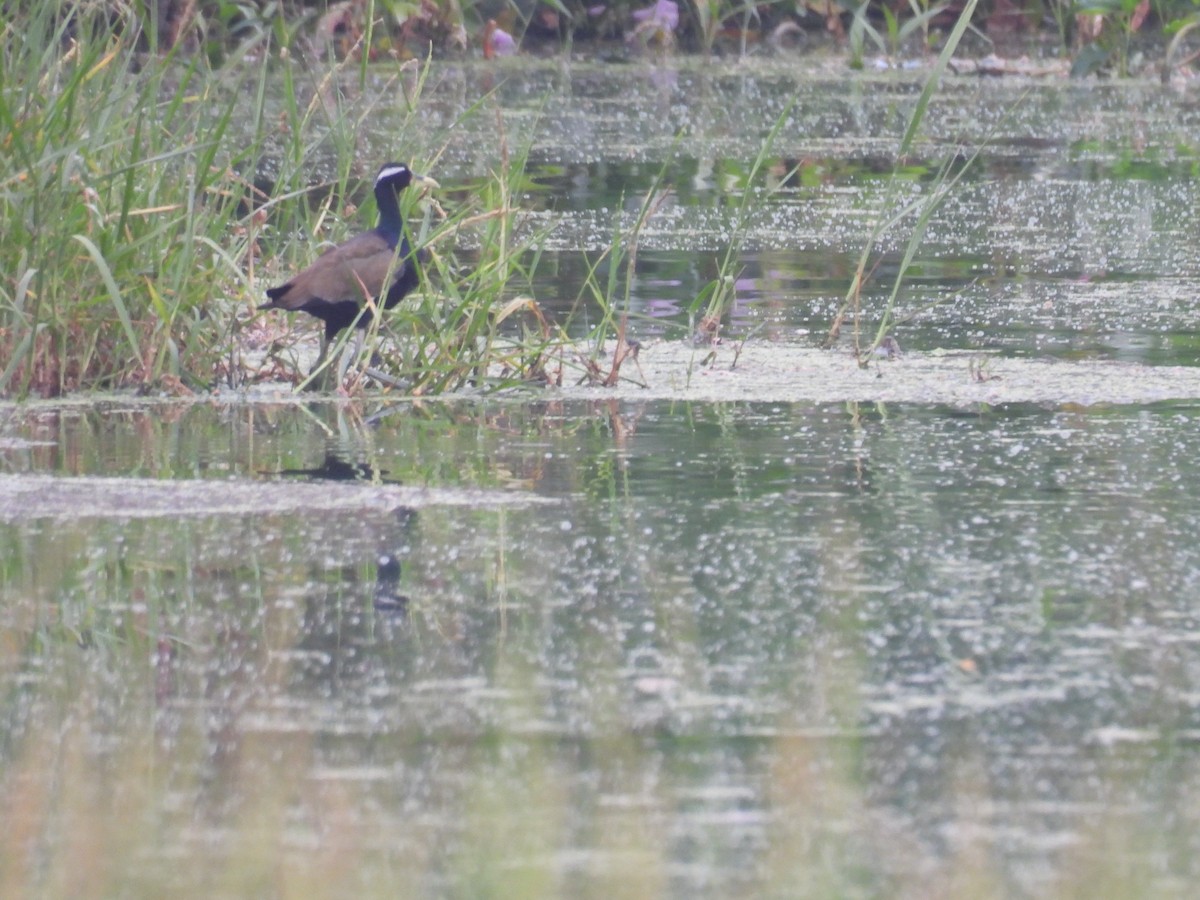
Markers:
<point>386,380</point>
<point>321,354</point>
<point>314,381</point>
<point>349,355</point>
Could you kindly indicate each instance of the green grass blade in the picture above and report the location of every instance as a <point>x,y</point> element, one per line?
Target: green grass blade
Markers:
<point>935,77</point>
<point>114,295</point>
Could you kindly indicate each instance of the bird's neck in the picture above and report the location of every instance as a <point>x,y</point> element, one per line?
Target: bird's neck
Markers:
<point>388,202</point>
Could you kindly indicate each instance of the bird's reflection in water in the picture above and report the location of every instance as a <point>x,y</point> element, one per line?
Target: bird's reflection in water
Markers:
<point>388,598</point>
<point>335,468</point>
<point>386,590</point>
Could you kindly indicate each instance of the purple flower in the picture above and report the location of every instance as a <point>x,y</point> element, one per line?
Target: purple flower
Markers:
<point>664,15</point>
<point>497,41</point>
<point>503,43</point>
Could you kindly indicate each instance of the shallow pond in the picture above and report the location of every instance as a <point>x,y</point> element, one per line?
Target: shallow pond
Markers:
<point>600,646</point>
<point>668,648</point>
<point>1071,232</point>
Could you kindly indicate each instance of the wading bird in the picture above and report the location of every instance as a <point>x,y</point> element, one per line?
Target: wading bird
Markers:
<point>379,265</point>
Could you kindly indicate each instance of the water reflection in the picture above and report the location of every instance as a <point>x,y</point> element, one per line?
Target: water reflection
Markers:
<point>749,648</point>
<point>334,468</point>
<point>1073,198</point>
<point>901,635</point>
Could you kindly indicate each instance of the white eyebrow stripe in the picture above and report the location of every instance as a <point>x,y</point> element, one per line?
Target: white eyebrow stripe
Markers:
<point>389,172</point>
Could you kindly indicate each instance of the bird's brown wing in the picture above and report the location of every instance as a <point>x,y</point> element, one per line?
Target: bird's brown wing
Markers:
<point>340,274</point>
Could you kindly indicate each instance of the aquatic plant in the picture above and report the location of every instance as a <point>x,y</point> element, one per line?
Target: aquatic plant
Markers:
<point>1097,34</point>
<point>118,203</point>
<point>715,300</point>
<point>609,284</point>
<point>896,34</point>
<point>915,215</point>
<point>138,216</point>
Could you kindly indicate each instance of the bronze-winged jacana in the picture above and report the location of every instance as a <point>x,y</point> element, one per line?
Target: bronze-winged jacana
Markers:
<point>336,287</point>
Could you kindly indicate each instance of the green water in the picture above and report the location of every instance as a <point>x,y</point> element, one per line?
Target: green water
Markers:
<point>1073,229</point>
<point>774,642</point>
<point>677,649</point>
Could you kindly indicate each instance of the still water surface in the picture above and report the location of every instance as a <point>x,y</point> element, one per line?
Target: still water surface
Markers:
<point>788,649</point>
<point>1073,229</point>
<point>806,649</point>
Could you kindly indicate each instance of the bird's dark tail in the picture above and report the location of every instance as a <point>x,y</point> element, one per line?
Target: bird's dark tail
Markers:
<point>274,294</point>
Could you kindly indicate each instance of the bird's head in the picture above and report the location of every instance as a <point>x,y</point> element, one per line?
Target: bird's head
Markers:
<point>398,176</point>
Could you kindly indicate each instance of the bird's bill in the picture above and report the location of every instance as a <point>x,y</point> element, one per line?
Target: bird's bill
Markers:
<point>425,180</point>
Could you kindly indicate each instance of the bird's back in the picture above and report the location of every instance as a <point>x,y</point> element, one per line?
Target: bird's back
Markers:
<point>348,272</point>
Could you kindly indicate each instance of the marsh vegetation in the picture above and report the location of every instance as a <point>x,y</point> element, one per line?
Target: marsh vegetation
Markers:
<point>150,195</point>
<point>748,630</point>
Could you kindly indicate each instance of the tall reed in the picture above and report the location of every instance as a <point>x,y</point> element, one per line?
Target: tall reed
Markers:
<point>113,195</point>
<point>138,191</point>
<point>918,212</point>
